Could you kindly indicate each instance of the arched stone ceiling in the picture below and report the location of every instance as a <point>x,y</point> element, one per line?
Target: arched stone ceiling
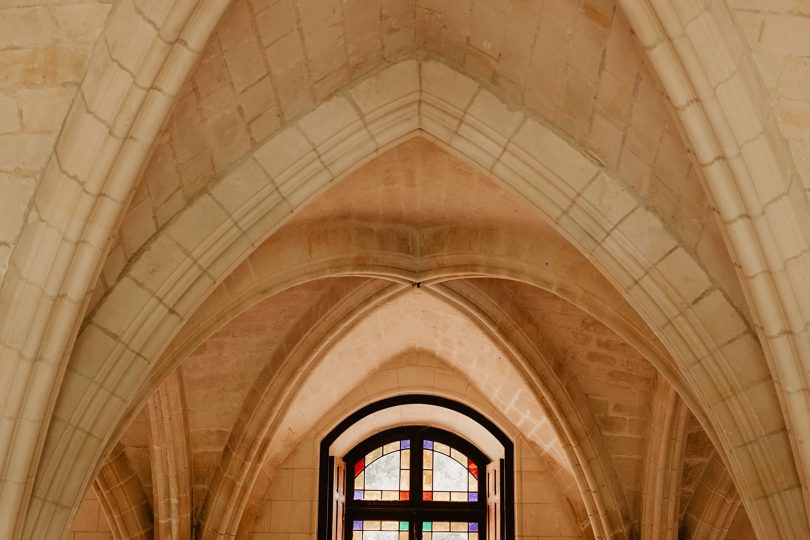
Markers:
<point>484,44</point>
<point>583,72</point>
<point>401,186</point>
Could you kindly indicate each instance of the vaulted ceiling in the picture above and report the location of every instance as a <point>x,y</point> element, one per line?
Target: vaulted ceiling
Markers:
<point>226,224</point>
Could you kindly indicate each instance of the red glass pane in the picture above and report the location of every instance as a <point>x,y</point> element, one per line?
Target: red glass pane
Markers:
<point>427,496</point>
<point>358,467</point>
<point>472,467</point>
<point>404,495</point>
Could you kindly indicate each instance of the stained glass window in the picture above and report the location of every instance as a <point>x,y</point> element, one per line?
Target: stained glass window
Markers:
<point>379,530</point>
<point>449,530</point>
<point>384,473</point>
<point>415,480</point>
<point>447,474</point>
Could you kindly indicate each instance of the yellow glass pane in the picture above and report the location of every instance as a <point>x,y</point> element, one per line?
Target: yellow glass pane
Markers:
<point>358,481</point>
<point>372,495</point>
<point>374,454</point>
<point>391,447</point>
<point>371,525</point>
<point>473,536</point>
<point>357,535</point>
<point>441,526</point>
<point>441,495</point>
<point>458,456</point>
<point>473,483</point>
<point>458,527</point>
<point>390,495</point>
<point>427,480</point>
<point>441,447</point>
<point>389,526</point>
<point>458,496</point>
<point>404,480</point>
<point>427,459</point>
<point>405,459</point>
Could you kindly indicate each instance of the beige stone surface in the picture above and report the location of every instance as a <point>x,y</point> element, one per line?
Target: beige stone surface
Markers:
<point>44,50</point>
<point>588,218</point>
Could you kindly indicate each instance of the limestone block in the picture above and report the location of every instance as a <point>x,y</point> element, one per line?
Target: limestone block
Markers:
<point>160,265</point>
<point>647,234</point>
<point>388,101</point>
<point>786,233</point>
<point>338,134</point>
<point>486,128</point>
<point>9,115</point>
<point>81,23</point>
<point>293,164</point>
<point>244,61</point>
<point>684,274</point>
<point>608,198</point>
<point>247,182</point>
<point>25,27</point>
<point>198,227</point>
<point>44,109</point>
<point>131,38</point>
<point>77,155</point>
<point>17,193</point>
<point>719,318</point>
<point>514,168</point>
<point>275,21</point>
<point>446,95</point>
<point>138,227</point>
<point>707,38</point>
<point>116,314</point>
<point>24,151</point>
<point>556,155</point>
<point>786,34</point>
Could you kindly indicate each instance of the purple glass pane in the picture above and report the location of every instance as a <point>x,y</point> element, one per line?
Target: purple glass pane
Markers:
<point>473,497</point>
<point>357,526</point>
<point>428,444</point>
<point>405,444</point>
<point>358,496</point>
<point>473,527</point>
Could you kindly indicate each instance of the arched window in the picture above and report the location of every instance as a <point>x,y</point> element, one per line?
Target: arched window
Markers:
<point>415,482</point>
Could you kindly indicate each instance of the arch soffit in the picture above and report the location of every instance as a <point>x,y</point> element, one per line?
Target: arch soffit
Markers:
<point>591,209</point>
<point>293,415</point>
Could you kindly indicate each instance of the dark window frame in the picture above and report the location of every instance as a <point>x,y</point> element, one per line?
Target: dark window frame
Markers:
<point>415,509</point>
<point>326,462</point>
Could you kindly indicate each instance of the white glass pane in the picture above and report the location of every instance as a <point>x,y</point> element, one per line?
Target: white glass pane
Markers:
<point>448,474</point>
<point>384,473</point>
<point>382,535</point>
<point>449,536</point>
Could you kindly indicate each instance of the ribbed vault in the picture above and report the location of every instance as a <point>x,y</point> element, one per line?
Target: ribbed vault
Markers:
<point>632,167</point>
